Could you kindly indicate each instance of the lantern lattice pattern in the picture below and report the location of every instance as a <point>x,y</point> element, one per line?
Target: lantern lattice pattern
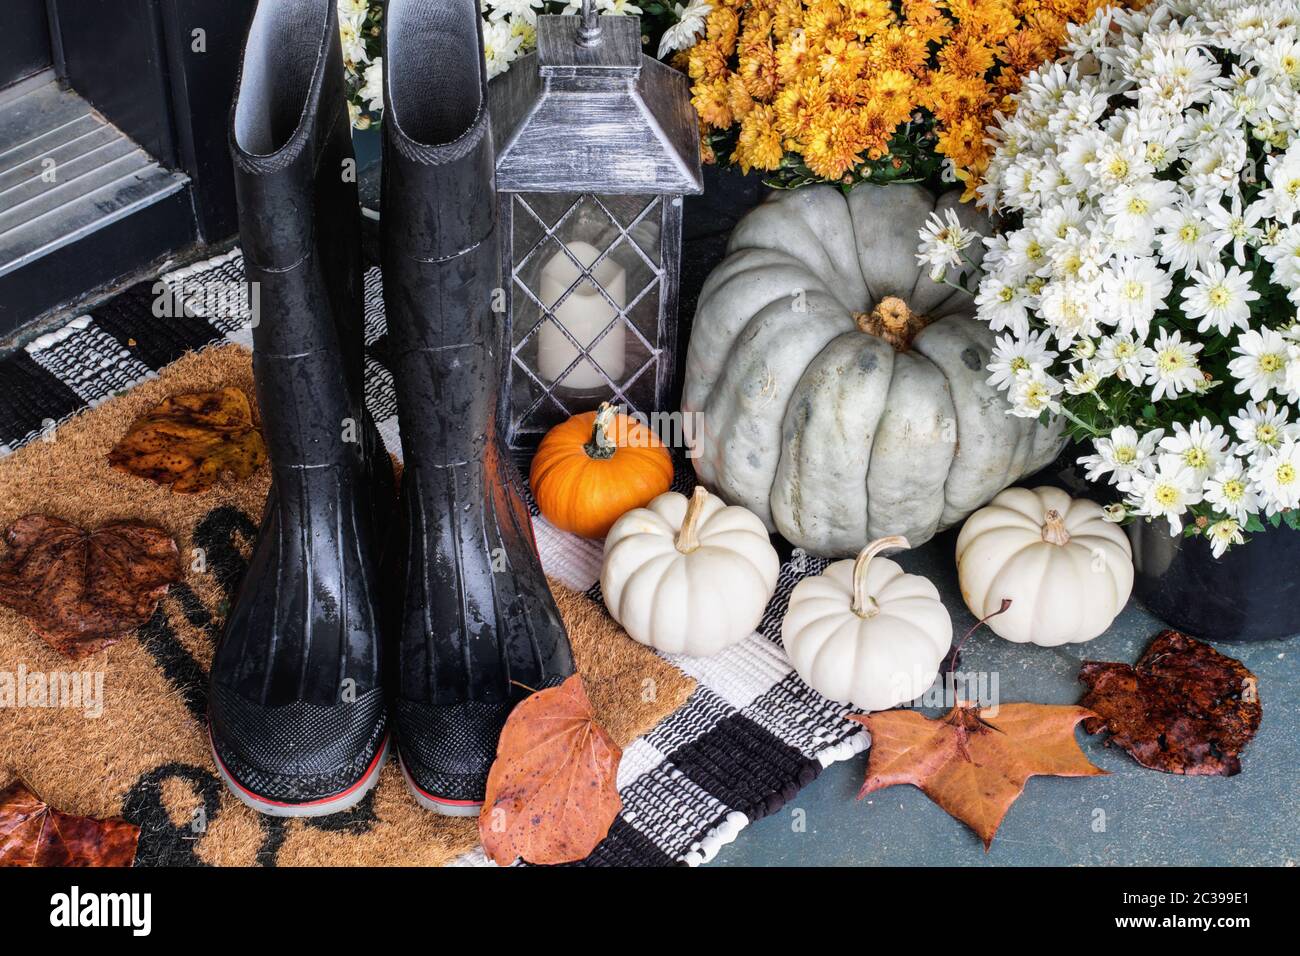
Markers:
<point>589,331</point>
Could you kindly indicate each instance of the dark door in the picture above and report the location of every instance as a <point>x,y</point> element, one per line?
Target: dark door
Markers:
<point>24,41</point>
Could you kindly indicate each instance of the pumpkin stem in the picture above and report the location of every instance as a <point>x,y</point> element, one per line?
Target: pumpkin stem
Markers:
<point>601,448</point>
<point>688,538</point>
<point>892,320</point>
<point>864,605</point>
<point>1054,528</point>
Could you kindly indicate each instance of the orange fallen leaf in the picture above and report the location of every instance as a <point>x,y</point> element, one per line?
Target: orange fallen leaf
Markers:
<point>32,833</point>
<point>84,590</point>
<point>974,763</point>
<point>551,795</point>
<point>191,441</point>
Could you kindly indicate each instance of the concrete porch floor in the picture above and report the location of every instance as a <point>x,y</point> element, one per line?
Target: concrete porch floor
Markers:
<point>1150,818</point>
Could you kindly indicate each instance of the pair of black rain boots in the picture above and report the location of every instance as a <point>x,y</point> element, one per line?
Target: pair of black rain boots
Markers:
<point>365,616</point>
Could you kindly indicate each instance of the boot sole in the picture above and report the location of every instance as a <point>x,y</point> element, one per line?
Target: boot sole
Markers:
<point>441,805</point>
<point>338,803</point>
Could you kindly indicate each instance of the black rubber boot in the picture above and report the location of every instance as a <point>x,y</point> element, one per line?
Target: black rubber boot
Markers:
<point>297,708</point>
<point>471,607</point>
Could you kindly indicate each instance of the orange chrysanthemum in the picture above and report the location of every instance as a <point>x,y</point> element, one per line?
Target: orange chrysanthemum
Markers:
<point>834,81</point>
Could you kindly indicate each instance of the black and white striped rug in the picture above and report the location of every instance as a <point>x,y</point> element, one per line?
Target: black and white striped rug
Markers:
<point>750,737</point>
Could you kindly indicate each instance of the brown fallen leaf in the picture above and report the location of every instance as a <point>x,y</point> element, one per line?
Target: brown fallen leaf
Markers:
<point>974,763</point>
<point>191,441</point>
<point>1184,708</point>
<point>551,795</point>
<point>84,590</point>
<point>33,833</point>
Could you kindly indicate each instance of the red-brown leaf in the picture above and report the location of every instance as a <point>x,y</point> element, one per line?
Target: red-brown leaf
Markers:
<point>84,590</point>
<point>32,833</point>
<point>551,794</point>
<point>974,763</point>
<point>1184,708</point>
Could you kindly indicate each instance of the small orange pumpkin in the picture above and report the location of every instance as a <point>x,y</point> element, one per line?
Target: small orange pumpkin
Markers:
<point>591,470</point>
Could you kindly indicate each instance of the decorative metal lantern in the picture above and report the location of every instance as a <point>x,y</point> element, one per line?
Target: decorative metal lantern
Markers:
<point>596,145</point>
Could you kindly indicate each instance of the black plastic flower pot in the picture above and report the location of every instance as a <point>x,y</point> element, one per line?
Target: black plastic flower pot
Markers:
<point>1252,593</point>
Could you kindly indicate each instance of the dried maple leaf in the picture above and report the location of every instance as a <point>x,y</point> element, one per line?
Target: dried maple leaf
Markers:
<point>551,795</point>
<point>1184,708</point>
<point>84,590</point>
<point>32,833</point>
<point>974,763</point>
<point>190,441</point>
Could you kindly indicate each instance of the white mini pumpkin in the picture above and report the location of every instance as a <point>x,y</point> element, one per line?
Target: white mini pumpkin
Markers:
<point>842,395</point>
<point>688,577</point>
<point>866,633</point>
<point>1067,571</point>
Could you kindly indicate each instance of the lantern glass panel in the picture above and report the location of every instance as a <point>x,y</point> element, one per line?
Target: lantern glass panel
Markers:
<point>586,304</point>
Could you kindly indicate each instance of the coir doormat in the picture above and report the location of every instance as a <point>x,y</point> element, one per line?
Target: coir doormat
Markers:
<point>134,744</point>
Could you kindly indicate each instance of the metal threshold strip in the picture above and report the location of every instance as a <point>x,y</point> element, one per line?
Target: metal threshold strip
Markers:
<point>66,172</point>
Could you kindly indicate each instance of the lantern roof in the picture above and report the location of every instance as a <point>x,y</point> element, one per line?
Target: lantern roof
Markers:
<point>589,112</point>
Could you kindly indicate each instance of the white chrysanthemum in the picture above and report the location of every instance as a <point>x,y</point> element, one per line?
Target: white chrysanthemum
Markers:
<point>1220,298</point>
<point>353,44</point>
<point>502,45</point>
<point>1120,163</point>
<point>1131,212</point>
<point>1084,378</point>
<point>1231,491</point>
<point>1134,290</point>
<point>1004,305</point>
<point>1071,309</point>
<point>1167,491</point>
<point>524,10</point>
<point>1173,367</point>
<point>1184,237</point>
<point>1122,456</point>
<point>1283,175</point>
<point>1202,446</point>
<point>943,244</point>
<point>1277,473</point>
<point>1262,426</point>
<point>1284,254</point>
<point>372,91</point>
<point>690,24</point>
<point>1261,362</point>
<point>1232,225</point>
<point>1279,60</point>
<point>1033,392</point>
<point>1223,534</point>
<point>1120,355</point>
<point>1013,355</point>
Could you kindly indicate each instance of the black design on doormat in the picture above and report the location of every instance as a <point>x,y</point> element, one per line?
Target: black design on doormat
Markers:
<point>162,842</point>
<point>218,535</point>
<point>360,819</point>
<point>274,831</point>
<point>178,665</point>
<point>356,821</point>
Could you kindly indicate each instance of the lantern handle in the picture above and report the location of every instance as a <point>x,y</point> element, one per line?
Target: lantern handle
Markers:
<point>589,29</point>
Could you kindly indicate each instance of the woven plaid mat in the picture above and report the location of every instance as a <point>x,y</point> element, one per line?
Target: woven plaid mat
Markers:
<point>750,736</point>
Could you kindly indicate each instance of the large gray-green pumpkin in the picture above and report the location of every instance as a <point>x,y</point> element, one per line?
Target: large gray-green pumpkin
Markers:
<point>822,407</point>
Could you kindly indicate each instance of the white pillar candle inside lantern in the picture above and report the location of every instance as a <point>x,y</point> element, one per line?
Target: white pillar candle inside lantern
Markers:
<point>584,313</point>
